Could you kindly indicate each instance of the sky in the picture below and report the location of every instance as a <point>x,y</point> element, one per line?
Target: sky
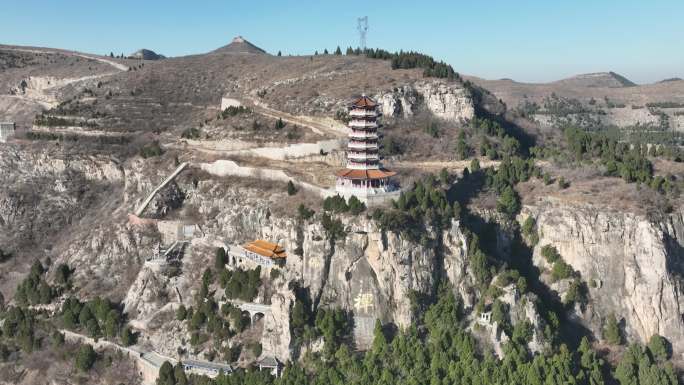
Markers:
<point>530,41</point>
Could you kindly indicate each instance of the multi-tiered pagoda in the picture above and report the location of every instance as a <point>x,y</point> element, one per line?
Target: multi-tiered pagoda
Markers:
<point>364,176</point>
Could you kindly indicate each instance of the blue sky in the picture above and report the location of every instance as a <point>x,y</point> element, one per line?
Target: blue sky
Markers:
<point>531,41</point>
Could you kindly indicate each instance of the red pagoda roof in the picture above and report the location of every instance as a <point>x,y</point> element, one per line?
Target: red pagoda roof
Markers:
<point>364,102</point>
<point>365,174</point>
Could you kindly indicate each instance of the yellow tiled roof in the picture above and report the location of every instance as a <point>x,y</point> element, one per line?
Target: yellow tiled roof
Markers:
<point>266,249</point>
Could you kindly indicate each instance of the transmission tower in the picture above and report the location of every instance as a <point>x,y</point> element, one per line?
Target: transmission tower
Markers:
<point>362,27</point>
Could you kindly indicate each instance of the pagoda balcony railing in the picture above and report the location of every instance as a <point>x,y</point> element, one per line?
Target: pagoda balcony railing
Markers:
<point>363,124</point>
<point>362,145</point>
<point>364,135</point>
<point>363,113</point>
<point>362,156</point>
<point>363,165</point>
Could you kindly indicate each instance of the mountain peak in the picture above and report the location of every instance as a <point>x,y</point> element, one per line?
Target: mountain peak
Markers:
<point>240,45</point>
<point>146,54</point>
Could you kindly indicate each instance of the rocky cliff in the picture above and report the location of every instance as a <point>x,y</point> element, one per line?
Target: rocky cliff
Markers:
<point>449,101</point>
<point>633,265</point>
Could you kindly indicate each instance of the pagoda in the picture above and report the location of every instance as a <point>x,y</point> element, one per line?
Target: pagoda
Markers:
<point>364,176</point>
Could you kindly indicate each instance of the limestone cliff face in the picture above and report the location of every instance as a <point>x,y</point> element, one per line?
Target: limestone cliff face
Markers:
<point>368,273</point>
<point>634,262</point>
<point>451,102</point>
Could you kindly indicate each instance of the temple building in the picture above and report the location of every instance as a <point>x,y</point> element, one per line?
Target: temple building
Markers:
<point>258,252</point>
<point>364,176</point>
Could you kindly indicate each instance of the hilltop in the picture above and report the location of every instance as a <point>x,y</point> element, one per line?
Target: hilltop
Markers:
<point>598,79</point>
<point>240,45</point>
<point>146,54</point>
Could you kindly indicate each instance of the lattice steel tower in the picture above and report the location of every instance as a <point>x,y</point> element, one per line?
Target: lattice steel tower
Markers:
<point>362,27</point>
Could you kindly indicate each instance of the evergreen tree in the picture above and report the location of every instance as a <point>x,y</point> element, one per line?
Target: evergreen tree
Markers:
<point>338,51</point>
<point>462,150</point>
<point>508,202</point>
<point>127,336</point>
<point>166,374</point>
<point>85,358</point>
<point>291,189</point>
<point>611,331</point>
<point>658,346</point>
<point>280,53</point>
<point>220,258</point>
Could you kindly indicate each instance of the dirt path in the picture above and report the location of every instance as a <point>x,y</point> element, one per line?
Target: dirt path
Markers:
<point>322,126</point>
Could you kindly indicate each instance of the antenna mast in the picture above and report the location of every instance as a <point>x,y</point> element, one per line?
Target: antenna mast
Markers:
<point>362,27</point>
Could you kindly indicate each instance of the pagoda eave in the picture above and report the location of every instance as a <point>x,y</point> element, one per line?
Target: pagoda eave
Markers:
<point>382,173</point>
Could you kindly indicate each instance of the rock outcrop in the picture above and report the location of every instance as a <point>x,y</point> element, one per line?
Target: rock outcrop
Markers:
<point>633,265</point>
<point>449,101</point>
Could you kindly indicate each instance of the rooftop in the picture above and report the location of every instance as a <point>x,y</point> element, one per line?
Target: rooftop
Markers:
<point>266,249</point>
<point>364,102</point>
<point>365,174</point>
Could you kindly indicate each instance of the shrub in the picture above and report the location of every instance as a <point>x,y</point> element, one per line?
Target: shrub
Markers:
<point>291,189</point>
<point>304,212</point>
<point>127,336</point>
<point>475,165</point>
<point>550,253</point>
<point>333,227</point>
<point>335,204</point>
<point>85,358</point>
<point>234,110</point>
<point>577,292</point>
<point>356,207</point>
<point>151,150</point>
<point>181,313</point>
<point>561,270</point>
<point>190,133</point>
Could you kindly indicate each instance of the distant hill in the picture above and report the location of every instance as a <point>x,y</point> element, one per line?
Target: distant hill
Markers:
<point>146,54</point>
<point>240,45</point>
<point>598,79</point>
<point>670,80</point>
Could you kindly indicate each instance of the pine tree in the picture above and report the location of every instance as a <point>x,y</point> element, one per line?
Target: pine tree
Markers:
<point>85,358</point>
<point>166,374</point>
<point>659,349</point>
<point>338,51</point>
<point>611,331</point>
<point>325,51</point>
<point>220,259</point>
<point>291,189</point>
<point>280,53</point>
<point>462,150</point>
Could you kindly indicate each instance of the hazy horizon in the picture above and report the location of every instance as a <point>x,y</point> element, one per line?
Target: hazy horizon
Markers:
<point>532,41</point>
